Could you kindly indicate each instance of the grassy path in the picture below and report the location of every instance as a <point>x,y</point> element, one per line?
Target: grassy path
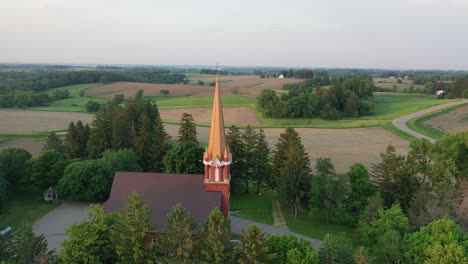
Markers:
<point>278,218</point>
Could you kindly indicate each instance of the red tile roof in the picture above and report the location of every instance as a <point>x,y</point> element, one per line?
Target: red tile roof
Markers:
<point>162,191</point>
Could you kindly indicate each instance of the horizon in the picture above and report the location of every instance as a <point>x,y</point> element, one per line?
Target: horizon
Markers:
<point>398,35</point>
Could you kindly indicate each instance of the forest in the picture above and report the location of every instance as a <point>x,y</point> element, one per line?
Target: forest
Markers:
<point>347,96</point>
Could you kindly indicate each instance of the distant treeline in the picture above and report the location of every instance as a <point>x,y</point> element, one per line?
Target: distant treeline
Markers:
<point>27,89</point>
<point>349,96</point>
<point>211,71</point>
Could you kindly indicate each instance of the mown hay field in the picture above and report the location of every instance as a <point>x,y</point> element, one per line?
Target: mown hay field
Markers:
<point>344,146</point>
<point>451,122</point>
<point>25,121</point>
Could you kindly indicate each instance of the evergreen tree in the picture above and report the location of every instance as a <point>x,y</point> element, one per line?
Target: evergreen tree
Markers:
<point>336,249</point>
<point>262,165</point>
<point>151,144</point>
<point>71,141</point>
<point>177,239</point>
<point>188,130</point>
<point>280,156</point>
<point>130,231</point>
<point>294,178</point>
<point>121,130</point>
<point>82,138</point>
<point>249,137</point>
<point>254,248</point>
<point>27,247</point>
<point>237,146</point>
<point>324,170</point>
<point>214,239</point>
<point>100,137</point>
<point>89,241</point>
<point>53,142</point>
<point>395,178</point>
<point>361,256</point>
<point>184,158</point>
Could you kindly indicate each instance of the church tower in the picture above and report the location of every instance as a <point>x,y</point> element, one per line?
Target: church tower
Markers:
<point>217,157</point>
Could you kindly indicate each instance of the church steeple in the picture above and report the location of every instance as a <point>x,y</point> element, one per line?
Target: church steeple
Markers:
<point>217,157</point>
<point>217,147</point>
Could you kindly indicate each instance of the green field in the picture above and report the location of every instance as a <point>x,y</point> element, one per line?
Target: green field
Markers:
<point>75,90</point>
<point>417,124</point>
<point>388,106</point>
<point>170,102</point>
<point>75,103</point>
<point>26,206</point>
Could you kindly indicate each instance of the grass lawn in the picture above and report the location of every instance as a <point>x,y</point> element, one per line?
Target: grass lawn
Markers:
<point>24,207</point>
<point>172,102</point>
<point>314,224</point>
<point>254,207</point>
<point>417,124</point>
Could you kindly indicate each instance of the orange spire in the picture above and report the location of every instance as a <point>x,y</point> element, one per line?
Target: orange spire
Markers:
<point>217,144</point>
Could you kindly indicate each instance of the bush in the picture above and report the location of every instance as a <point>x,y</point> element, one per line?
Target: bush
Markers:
<point>289,249</point>
<point>92,106</point>
<point>465,94</point>
<point>200,82</point>
<point>329,113</point>
<point>164,92</point>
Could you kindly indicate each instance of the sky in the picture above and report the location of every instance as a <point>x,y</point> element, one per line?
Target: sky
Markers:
<point>390,34</point>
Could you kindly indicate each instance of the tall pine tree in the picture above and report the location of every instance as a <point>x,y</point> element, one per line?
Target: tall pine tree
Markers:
<point>236,145</point>
<point>292,166</point>
<point>188,130</point>
<point>177,239</point>
<point>254,248</point>
<point>53,142</point>
<point>130,232</point>
<point>286,139</point>
<point>214,240</point>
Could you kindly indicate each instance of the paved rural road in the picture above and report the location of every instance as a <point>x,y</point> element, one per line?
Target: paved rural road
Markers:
<point>53,224</point>
<point>239,224</point>
<point>400,123</point>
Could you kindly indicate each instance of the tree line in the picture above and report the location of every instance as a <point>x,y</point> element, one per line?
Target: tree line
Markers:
<point>348,96</point>
<point>20,90</point>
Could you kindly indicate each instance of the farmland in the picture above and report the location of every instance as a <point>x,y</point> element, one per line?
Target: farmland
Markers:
<point>344,146</point>
<point>446,121</point>
<point>25,121</point>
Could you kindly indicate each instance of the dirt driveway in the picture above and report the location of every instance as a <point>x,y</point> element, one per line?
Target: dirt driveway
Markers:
<point>54,224</point>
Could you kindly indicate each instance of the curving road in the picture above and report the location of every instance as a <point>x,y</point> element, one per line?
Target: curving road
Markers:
<point>400,123</point>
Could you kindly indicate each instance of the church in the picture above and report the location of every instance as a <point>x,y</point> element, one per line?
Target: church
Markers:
<point>199,194</point>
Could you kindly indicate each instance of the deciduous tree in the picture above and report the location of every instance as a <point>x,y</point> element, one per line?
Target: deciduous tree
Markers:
<point>46,169</point>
